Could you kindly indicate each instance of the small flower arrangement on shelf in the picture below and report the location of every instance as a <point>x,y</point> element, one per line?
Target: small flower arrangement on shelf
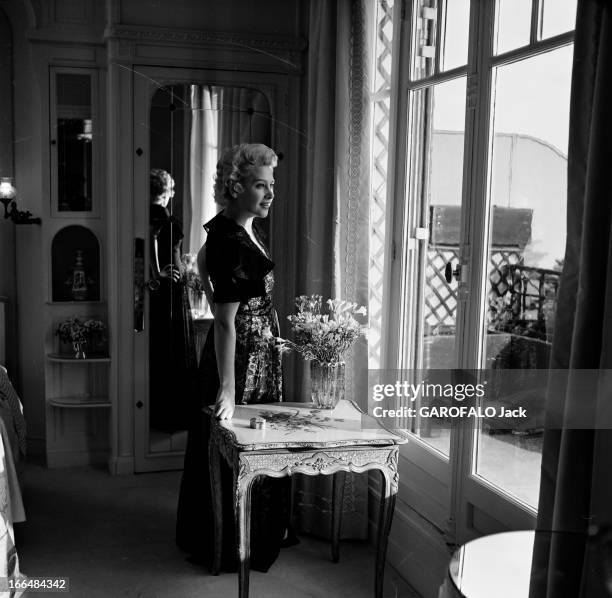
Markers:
<point>80,334</point>
<point>324,338</point>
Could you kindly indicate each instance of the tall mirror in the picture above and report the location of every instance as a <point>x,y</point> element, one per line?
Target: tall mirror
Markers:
<point>190,125</point>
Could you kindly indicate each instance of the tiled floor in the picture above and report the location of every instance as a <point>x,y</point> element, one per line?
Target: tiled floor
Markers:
<point>113,537</point>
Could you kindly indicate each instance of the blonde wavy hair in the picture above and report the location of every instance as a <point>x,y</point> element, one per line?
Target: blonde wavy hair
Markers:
<point>159,181</point>
<point>236,164</point>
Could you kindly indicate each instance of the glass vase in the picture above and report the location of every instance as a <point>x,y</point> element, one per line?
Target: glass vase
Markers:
<point>197,303</point>
<point>79,349</point>
<point>326,384</point>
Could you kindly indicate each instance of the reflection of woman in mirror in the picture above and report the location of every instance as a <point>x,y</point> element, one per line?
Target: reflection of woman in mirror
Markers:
<point>236,367</point>
<point>171,341</point>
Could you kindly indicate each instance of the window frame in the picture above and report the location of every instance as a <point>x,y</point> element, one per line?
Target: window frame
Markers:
<point>401,261</point>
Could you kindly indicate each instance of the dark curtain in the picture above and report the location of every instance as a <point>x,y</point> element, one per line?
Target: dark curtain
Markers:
<point>334,251</point>
<point>576,484</point>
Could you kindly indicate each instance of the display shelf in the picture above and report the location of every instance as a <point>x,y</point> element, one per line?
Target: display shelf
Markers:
<point>75,265</point>
<point>78,407</point>
<point>79,402</point>
<point>62,358</point>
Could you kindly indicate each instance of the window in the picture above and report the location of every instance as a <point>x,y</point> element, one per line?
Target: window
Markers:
<point>475,183</point>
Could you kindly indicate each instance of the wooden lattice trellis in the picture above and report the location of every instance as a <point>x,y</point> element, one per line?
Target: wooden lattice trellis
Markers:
<point>440,296</point>
<point>522,299</point>
<point>380,144</point>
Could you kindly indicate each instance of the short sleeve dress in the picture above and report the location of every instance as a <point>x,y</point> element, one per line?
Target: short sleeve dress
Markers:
<point>241,273</point>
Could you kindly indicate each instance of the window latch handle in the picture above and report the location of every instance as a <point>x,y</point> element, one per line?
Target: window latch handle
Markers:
<point>449,272</point>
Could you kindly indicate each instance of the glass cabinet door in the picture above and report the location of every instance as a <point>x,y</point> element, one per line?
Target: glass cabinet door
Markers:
<point>73,145</point>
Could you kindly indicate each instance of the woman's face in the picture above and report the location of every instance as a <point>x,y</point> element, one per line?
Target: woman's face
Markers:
<point>168,194</point>
<point>255,195</point>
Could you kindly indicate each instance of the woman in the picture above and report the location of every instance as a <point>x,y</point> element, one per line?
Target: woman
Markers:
<point>236,367</point>
<point>171,342</point>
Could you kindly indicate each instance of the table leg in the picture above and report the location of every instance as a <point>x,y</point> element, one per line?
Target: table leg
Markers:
<point>242,505</point>
<point>337,500</point>
<point>387,505</point>
<point>214,465</point>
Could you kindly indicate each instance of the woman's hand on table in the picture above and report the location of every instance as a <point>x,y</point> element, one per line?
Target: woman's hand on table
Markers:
<point>225,404</point>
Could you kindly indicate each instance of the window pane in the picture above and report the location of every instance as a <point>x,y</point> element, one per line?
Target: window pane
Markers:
<point>512,25</point>
<point>526,247</point>
<point>456,28</point>
<point>558,16</point>
<point>435,181</point>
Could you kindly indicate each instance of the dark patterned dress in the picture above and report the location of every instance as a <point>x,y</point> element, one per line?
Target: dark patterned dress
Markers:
<point>240,272</point>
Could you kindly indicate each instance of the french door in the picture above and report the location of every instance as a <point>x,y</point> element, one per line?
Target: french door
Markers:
<point>477,223</point>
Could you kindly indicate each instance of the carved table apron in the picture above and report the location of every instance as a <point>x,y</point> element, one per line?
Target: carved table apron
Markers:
<point>300,439</point>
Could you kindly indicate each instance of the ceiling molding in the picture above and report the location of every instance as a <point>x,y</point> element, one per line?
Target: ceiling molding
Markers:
<point>193,36</point>
<point>275,52</point>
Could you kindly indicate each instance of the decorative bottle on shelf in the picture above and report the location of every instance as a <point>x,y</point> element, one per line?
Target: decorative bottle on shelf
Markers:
<point>78,288</point>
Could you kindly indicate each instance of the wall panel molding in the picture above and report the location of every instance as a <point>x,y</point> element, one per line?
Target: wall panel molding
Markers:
<point>277,52</point>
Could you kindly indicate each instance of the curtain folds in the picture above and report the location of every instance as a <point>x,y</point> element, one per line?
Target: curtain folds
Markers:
<point>576,488</point>
<point>200,163</point>
<point>218,117</point>
<point>245,117</point>
<point>334,249</point>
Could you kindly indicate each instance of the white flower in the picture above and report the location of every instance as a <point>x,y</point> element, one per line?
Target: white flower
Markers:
<point>325,337</point>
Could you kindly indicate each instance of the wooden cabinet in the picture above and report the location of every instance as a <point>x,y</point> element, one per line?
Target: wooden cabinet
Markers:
<point>77,397</point>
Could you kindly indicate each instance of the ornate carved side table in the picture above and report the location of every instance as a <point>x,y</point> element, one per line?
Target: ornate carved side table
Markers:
<point>300,439</point>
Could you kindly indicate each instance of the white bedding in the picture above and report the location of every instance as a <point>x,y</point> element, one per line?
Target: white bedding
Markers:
<point>12,453</point>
